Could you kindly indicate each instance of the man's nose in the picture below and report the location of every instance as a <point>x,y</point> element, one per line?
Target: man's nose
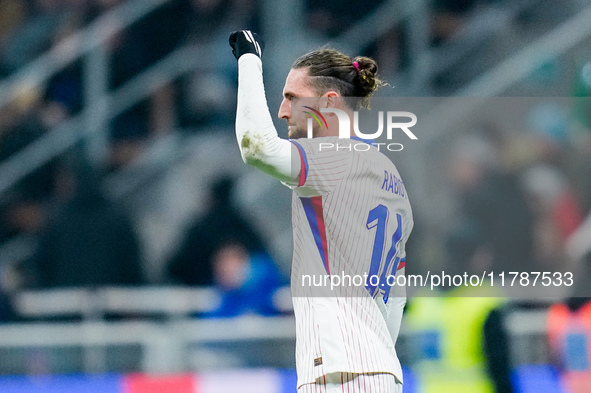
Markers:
<point>285,109</point>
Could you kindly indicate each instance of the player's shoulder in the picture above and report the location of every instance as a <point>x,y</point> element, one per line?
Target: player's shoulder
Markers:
<point>314,143</point>
<point>364,153</point>
<point>335,144</point>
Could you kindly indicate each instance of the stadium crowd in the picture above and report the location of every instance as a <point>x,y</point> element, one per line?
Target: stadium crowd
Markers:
<point>29,28</point>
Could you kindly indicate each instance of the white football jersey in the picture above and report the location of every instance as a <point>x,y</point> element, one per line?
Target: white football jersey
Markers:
<point>351,217</point>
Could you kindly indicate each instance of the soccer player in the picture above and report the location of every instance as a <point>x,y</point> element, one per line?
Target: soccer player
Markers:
<point>350,211</point>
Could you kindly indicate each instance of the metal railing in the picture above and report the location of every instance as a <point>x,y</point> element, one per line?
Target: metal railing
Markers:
<point>95,303</point>
<point>166,343</point>
<point>77,45</point>
<point>67,134</point>
<point>157,319</point>
<point>427,61</point>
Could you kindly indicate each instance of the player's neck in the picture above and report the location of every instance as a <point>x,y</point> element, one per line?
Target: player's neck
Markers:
<point>333,128</point>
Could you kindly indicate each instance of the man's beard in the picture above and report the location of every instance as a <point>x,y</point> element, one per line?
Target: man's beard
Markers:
<point>298,133</point>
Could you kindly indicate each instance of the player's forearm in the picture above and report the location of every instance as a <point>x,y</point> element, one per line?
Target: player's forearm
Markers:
<point>260,146</point>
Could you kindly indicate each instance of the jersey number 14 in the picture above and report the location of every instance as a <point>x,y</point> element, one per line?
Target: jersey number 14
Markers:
<point>382,270</point>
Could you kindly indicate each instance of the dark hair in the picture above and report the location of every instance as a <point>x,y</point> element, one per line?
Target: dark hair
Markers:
<point>333,70</point>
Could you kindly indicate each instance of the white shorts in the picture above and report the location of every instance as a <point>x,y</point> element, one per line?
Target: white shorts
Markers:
<point>354,383</point>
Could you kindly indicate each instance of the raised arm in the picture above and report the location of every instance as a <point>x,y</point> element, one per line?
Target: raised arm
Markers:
<point>259,144</point>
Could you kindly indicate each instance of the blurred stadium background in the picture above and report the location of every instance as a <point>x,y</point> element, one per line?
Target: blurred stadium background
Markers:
<point>139,254</point>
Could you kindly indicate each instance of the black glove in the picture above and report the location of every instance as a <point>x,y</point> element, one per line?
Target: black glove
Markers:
<point>245,41</point>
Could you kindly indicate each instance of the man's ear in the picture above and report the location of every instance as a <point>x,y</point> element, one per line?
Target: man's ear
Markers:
<point>331,99</point>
